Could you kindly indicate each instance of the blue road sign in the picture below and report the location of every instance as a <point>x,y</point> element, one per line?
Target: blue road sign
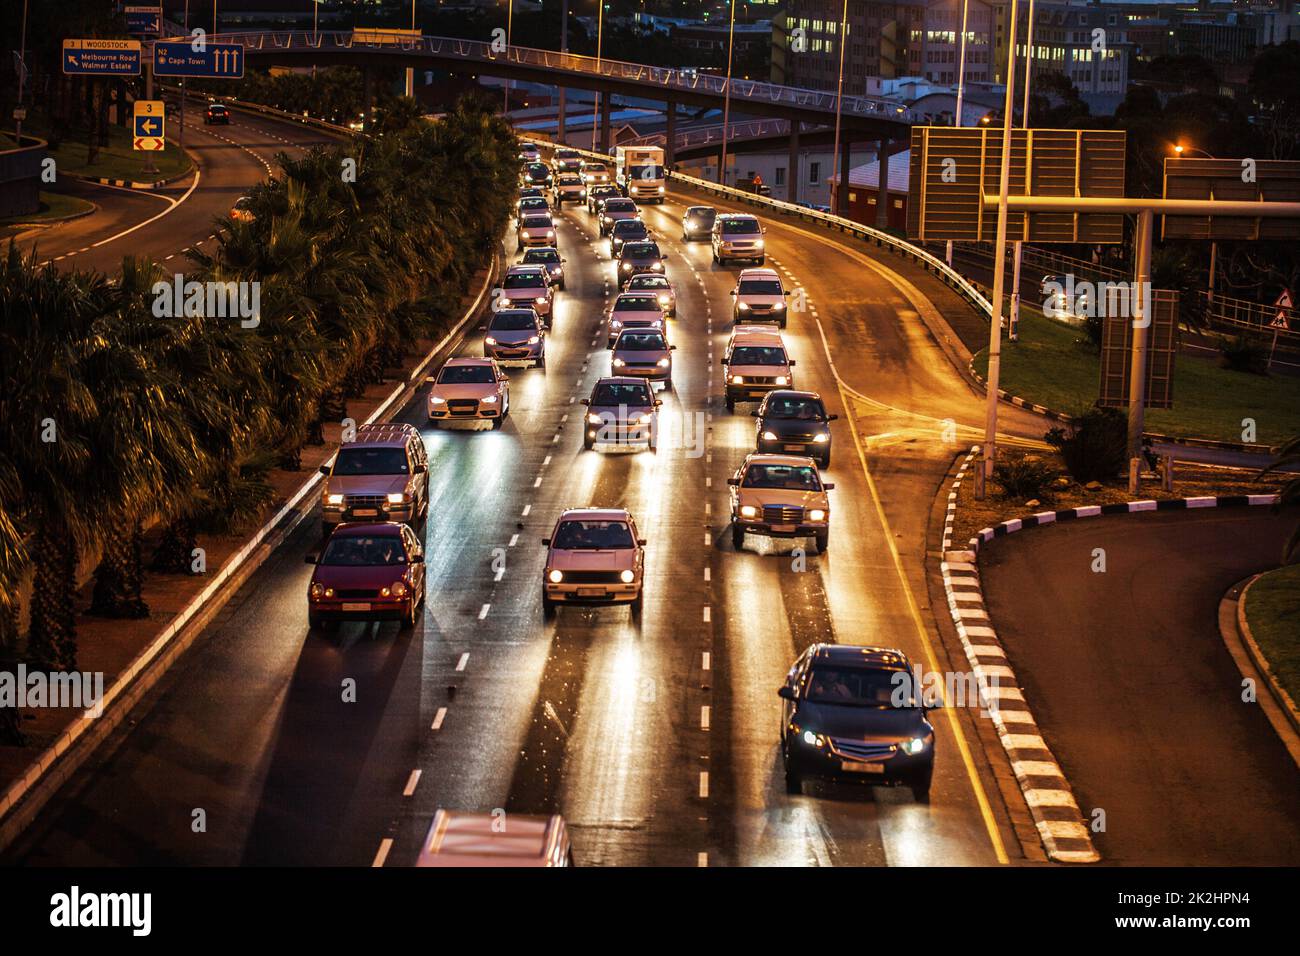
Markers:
<point>102,57</point>
<point>143,19</point>
<point>148,126</point>
<point>225,60</point>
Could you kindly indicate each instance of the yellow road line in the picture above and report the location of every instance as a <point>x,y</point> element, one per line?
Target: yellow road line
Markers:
<point>932,660</point>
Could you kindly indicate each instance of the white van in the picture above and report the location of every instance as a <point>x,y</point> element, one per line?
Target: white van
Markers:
<point>461,838</point>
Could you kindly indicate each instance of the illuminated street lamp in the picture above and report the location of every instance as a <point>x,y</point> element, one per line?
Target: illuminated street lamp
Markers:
<point>726,97</point>
<point>595,100</point>
<point>839,102</point>
<point>961,85</point>
<point>1179,149</point>
<point>1013,319</point>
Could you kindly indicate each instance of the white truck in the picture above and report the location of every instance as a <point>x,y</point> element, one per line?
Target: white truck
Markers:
<point>639,172</point>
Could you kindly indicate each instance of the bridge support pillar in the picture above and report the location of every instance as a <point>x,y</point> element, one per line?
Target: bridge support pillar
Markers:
<point>604,122</point>
<point>367,93</point>
<point>792,167</point>
<point>842,188</point>
<point>670,133</point>
<point>882,198</point>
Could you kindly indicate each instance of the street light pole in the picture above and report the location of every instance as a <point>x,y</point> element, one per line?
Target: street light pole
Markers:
<point>839,101</point>
<point>560,131</point>
<point>410,70</point>
<point>1013,322</point>
<point>595,99</point>
<point>999,269</point>
<point>22,71</point>
<point>726,97</point>
<point>1214,245</point>
<point>315,31</point>
<point>510,18</point>
<point>961,86</point>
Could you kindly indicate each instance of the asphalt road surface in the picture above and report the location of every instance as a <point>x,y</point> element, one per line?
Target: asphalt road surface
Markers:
<point>1137,696</point>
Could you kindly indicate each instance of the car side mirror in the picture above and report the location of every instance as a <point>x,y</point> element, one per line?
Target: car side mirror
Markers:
<point>562,259</point>
<point>324,469</point>
<point>672,348</point>
<point>791,364</point>
<point>785,691</point>
<point>584,401</point>
<point>641,542</point>
<point>546,542</point>
<point>786,293</point>
<point>658,402</point>
<point>733,481</point>
<point>311,559</point>
<point>828,486</point>
<point>832,417</point>
<point>417,558</point>
<point>754,414</point>
<point>732,292</point>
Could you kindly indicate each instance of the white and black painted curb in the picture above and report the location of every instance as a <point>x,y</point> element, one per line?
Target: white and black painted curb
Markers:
<point>1047,793</point>
<point>129,184</point>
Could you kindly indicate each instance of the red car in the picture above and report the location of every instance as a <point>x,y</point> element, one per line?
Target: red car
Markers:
<point>367,572</point>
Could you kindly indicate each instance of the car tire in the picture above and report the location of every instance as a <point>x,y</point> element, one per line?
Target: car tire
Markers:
<point>823,539</point>
<point>408,620</point>
<point>782,323</point>
<point>760,260</point>
<point>921,789</point>
<point>826,460</point>
<point>793,780</point>
<point>314,622</point>
<point>668,385</point>
<point>636,605</point>
<point>499,422</point>
<point>737,536</point>
<point>731,404</point>
<point>548,608</point>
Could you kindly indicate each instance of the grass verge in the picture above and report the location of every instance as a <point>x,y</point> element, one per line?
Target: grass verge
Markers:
<point>1273,613</point>
<point>117,160</point>
<point>1050,366</point>
<point>54,206</point>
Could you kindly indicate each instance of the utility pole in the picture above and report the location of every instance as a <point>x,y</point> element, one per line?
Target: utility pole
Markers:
<point>1013,322</point>
<point>1142,300</point>
<point>961,86</point>
<point>726,98</point>
<point>839,101</point>
<point>999,269</point>
<point>560,131</point>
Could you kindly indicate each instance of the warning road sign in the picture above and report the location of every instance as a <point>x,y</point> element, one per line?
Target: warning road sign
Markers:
<point>150,125</point>
<point>1284,305</point>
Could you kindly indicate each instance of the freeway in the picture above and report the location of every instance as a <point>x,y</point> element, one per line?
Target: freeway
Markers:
<point>1150,728</point>
<point>168,222</point>
<point>657,741</point>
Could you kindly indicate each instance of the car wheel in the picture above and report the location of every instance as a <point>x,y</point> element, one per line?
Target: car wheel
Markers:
<point>716,260</point>
<point>826,460</point>
<point>636,606</point>
<point>782,323</point>
<point>737,536</point>
<point>541,361</point>
<point>760,260</point>
<point>499,422</point>
<point>314,621</point>
<point>731,404</point>
<point>668,385</point>
<point>823,541</point>
<point>409,618</point>
<point>921,789</point>
<point>548,607</point>
<point>793,780</point>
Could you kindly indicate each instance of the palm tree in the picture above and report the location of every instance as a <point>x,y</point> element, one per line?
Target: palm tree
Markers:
<point>1288,459</point>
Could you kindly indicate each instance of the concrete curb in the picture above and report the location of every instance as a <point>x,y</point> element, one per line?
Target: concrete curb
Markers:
<point>1047,793</point>
<point>1284,701</point>
<point>49,770</point>
<point>129,184</point>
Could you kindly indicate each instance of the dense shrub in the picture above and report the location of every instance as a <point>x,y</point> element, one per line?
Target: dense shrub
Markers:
<point>1243,353</point>
<point>1094,446</point>
<point>1023,477</point>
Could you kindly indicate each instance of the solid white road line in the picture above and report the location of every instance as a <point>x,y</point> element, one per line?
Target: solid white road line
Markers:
<point>438,718</point>
<point>385,845</point>
<point>464,659</point>
<point>411,782</point>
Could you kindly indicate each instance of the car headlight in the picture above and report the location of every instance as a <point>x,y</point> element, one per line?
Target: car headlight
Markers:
<point>626,267</point>
<point>594,420</point>
<point>742,306</point>
<point>437,400</point>
<point>748,511</point>
<point>778,307</point>
<point>540,300</point>
<point>663,300</point>
<point>658,267</point>
<point>526,234</point>
<point>817,514</point>
<point>821,439</point>
<point>737,380</point>
<point>627,577</point>
<point>550,233</point>
<point>533,340</point>
<point>618,363</point>
<point>759,243</point>
<point>490,341</point>
<point>657,324</point>
<point>489,400</point>
<point>398,589</point>
<point>644,419</point>
<point>661,189</point>
<point>782,380</point>
<point>663,362</point>
<point>812,739</point>
<point>396,497</point>
<point>769,436</point>
<point>334,499</point>
<point>556,576</point>
<point>913,746</point>
<point>317,590</point>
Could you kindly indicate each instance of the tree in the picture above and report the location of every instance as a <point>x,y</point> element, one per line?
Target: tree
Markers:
<point>1288,459</point>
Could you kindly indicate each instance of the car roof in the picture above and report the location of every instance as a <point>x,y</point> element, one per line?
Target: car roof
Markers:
<point>620,380</point>
<point>623,332</point>
<point>462,361</point>
<point>759,274</point>
<point>387,433</point>
<point>858,654</point>
<point>360,529</point>
<point>591,513</point>
<point>755,335</point>
<point>793,393</point>
<point>648,275</point>
<point>766,458</point>
<point>461,838</point>
<point>528,269</point>
<point>639,295</point>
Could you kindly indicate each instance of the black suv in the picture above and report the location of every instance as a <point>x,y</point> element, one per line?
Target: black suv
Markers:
<point>698,223</point>
<point>794,423</point>
<point>856,713</point>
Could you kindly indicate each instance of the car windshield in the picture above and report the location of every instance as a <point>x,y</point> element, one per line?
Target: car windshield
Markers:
<point>537,222</point>
<point>739,227</point>
<point>356,551</point>
<point>601,191</point>
<point>532,202</point>
<point>758,355</point>
<point>702,213</point>
<point>760,287</point>
<point>646,172</point>
<point>648,282</point>
<point>570,181</point>
<point>539,168</point>
<point>640,250</point>
<point>636,303</point>
<point>467,375</point>
<point>802,409</point>
<point>613,393</point>
<point>630,229</point>
<point>541,255</point>
<point>858,687</point>
<point>641,342</point>
<point>595,167</point>
<point>620,205</point>
<point>789,477</point>
<point>593,536</point>
<point>513,321</point>
<point>524,280</point>
<point>370,461</point>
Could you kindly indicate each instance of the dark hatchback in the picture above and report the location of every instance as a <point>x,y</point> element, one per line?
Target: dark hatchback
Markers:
<point>698,223</point>
<point>367,572</point>
<point>851,712</point>
<point>794,423</point>
<point>216,113</point>
<point>639,256</point>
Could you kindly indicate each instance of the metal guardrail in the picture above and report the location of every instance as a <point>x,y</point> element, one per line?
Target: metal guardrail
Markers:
<point>266,110</point>
<point>697,136</point>
<point>927,261</point>
<point>665,78</point>
<point>1249,316</point>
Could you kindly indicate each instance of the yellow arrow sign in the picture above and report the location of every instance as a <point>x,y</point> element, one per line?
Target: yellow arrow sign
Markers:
<point>150,125</point>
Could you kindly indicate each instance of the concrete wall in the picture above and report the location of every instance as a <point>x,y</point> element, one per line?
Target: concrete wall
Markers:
<point>20,178</point>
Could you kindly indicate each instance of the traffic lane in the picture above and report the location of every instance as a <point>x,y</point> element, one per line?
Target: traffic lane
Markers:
<point>116,209</point>
<point>1136,694</point>
<point>852,591</point>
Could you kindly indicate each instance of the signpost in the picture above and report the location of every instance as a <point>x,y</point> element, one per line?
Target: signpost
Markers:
<point>1231,180</point>
<point>1117,352</point>
<point>1282,321</point>
<point>179,58</point>
<point>150,125</point>
<point>143,20</point>
<point>101,57</point>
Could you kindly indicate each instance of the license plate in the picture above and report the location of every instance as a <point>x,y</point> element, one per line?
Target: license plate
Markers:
<point>356,607</point>
<point>591,592</point>
<point>793,447</point>
<point>854,766</point>
<point>365,512</point>
<point>782,527</point>
<point>757,392</point>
